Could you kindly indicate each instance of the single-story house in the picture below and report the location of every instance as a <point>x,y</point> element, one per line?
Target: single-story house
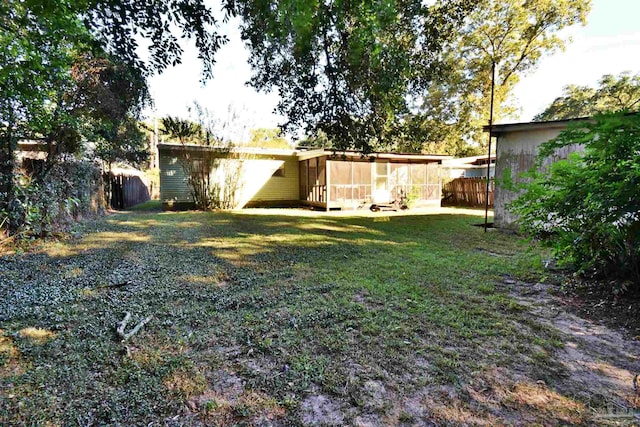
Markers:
<point>516,150</point>
<point>311,177</point>
<point>470,167</point>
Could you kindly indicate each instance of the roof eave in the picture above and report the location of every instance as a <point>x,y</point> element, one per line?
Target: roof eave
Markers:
<point>242,150</point>
<point>303,154</point>
<point>524,126</point>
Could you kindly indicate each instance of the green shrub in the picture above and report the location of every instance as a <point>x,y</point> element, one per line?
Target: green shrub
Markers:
<point>411,198</point>
<point>42,206</point>
<point>587,207</point>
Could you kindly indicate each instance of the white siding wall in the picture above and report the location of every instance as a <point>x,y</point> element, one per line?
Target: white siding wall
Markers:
<point>256,182</point>
<point>516,153</point>
<point>173,183</point>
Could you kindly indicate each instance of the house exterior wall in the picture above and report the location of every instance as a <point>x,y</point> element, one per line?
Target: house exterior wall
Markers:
<point>262,186</point>
<point>256,181</point>
<point>173,182</point>
<point>516,153</point>
<point>468,171</point>
<point>468,167</point>
<point>479,171</point>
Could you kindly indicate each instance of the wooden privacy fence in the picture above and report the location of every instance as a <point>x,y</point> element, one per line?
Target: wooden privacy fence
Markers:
<point>124,191</point>
<point>468,192</point>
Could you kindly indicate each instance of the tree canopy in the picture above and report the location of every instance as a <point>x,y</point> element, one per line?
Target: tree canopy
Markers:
<point>119,24</point>
<point>614,93</point>
<point>383,75</point>
<point>346,68</point>
<point>512,34</point>
<point>41,42</point>
<point>267,138</point>
<point>399,74</point>
<point>185,131</point>
<point>71,71</point>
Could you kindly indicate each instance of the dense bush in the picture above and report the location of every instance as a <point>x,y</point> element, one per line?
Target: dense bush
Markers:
<point>215,182</point>
<point>42,206</point>
<point>587,207</point>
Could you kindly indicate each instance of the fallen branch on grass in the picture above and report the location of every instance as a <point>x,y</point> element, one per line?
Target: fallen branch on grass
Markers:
<point>120,329</point>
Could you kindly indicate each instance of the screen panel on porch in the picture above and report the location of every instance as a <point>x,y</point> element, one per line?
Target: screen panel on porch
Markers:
<point>304,181</point>
<point>434,183</point>
<point>399,180</point>
<point>419,180</point>
<point>340,176</point>
<point>423,180</point>
<point>313,180</point>
<point>350,183</point>
<point>361,182</point>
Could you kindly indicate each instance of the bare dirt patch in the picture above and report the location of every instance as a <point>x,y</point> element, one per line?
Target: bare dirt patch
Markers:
<point>608,303</point>
<point>319,410</point>
<point>598,363</point>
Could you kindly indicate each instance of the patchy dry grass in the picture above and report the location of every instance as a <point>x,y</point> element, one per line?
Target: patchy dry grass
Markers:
<point>269,319</point>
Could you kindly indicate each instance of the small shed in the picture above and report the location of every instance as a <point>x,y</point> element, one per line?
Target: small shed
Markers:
<point>516,150</point>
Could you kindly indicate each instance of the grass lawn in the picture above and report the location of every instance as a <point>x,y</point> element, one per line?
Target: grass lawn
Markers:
<point>273,320</point>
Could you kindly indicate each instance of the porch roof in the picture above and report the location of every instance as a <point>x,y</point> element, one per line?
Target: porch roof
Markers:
<point>304,153</point>
<point>309,154</point>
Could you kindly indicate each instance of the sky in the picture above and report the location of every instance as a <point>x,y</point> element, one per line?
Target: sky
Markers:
<point>608,44</point>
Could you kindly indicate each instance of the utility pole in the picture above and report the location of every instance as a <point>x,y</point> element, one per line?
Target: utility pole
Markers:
<point>486,203</point>
<point>156,161</point>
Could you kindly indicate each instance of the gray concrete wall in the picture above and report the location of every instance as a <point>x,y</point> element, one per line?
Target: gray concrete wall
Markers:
<point>516,153</point>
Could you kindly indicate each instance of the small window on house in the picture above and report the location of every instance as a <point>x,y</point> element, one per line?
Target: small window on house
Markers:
<point>279,171</point>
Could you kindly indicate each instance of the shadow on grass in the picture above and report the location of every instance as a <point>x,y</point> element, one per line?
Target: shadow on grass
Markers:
<point>148,206</point>
<point>286,307</point>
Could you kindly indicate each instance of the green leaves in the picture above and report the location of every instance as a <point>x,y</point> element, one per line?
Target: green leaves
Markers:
<point>398,74</point>
<point>71,72</point>
<point>182,130</point>
<point>512,34</point>
<point>345,68</point>
<point>118,23</point>
<point>614,93</point>
<point>587,207</point>
<point>267,138</point>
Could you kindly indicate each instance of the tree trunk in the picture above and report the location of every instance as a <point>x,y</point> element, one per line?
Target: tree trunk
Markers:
<point>7,166</point>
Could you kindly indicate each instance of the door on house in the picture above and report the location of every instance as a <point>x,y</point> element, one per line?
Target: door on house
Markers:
<point>381,193</point>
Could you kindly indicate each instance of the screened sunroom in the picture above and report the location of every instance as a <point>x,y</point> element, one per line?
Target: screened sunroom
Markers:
<point>350,181</point>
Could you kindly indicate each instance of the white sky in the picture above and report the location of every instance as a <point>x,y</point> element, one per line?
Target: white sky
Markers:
<point>608,44</point>
<point>178,87</point>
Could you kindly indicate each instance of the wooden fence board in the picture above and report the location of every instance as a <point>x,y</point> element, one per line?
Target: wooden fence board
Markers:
<point>468,192</point>
<point>125,191</point>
